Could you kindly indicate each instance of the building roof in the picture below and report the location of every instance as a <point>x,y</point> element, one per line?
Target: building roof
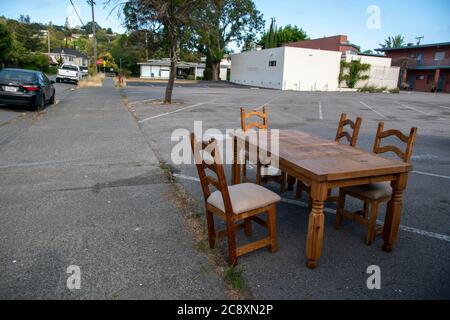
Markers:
<point>70,52</point>
<point>180,64</point>
<point>431,45</point>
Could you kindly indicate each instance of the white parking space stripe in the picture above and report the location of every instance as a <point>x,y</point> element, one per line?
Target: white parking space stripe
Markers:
<point>424,233</point>
<point>320,111</point>
<point>431,175</point>
<point>176,111</point>
<point>369,107</point>
<point>412,108</point>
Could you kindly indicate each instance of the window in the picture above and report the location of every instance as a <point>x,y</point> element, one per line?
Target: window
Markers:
<point>272,63</point>
<point>420,77</point>
<point>439,56</point>
<point>419,57</point>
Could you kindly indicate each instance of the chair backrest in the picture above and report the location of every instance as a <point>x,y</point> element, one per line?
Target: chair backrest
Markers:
<point>352,138</point>
<point>209,151</point>
<point>409,140</point>
<point>263,115</point>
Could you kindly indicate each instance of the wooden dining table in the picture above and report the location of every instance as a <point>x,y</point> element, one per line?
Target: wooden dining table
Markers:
<point>325,164</point>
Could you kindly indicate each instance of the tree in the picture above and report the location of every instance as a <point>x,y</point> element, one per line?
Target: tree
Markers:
<point>6,44</point>
<point>171,18</point>
<point>221,22</point>
<point>397,41</point>
<point>284,35</point>
<point>352,72</point>
<point>271,39</point>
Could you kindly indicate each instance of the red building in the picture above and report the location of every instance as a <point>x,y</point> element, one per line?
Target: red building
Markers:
<point>423,67</point>
<point>335,43</point>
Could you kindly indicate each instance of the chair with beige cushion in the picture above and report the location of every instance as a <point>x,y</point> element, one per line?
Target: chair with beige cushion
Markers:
<point>352,140</point>
<point>264,173</point>
<point>374,194</point>
<point>237,205</point>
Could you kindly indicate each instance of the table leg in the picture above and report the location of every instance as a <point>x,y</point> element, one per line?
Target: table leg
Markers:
<point>393,213</point>
<point>314,240</point>
<point>236,167</point>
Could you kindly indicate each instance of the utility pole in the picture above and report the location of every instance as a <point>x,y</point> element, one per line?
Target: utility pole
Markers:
<point>92,3</point>
<point>146,45</point>
<point>419,40</point>
<point>48,40</point>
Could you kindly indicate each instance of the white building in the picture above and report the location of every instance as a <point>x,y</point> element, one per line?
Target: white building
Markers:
<point>160,69</point>
<point>288,68</point>
<point>381,73</point>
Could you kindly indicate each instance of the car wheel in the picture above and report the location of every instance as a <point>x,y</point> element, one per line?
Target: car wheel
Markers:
<point>40,105</point>
<point>52,99</point>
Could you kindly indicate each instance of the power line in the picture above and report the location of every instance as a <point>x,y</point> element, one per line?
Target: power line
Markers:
<point>75,9</point>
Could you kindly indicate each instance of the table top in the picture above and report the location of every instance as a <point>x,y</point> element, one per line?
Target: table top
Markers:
<point>326,160</point>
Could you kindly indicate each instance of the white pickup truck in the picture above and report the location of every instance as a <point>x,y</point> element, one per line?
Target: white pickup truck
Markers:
<point>69,72</point>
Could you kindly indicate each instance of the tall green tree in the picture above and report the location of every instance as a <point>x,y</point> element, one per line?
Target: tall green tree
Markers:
<point>6,44</point>
<point>222,22</point>
<point>284,35</point>
<point>397,41</point>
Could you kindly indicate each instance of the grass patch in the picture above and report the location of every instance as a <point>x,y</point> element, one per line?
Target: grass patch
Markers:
<point>92,81</point>
<point>234,277</point>
<point>202,246</point>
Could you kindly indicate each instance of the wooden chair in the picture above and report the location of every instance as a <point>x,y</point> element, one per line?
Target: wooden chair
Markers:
<point>240,203</point>
<point>374,194</point>
<point>264,173</point>
<point>352,140</point>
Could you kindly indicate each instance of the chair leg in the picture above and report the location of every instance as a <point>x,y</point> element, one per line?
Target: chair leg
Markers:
<point>272,225</point>
<point>366,210</point>
<point>282,181</point>
<point>340,209</point>
<point>372,223</point>
<point>211,229</point>
<point>231,237</point>
<point>290,182</point>
<point>244,171</point>
<point>299,191</point>
<point>248,227</point>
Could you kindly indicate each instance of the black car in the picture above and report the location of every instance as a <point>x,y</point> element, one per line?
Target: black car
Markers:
<point>26,88</point>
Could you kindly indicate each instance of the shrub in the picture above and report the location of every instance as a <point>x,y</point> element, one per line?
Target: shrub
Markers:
<point>190,77</point>
<point>52,70</point>
<point>395,90</point>
<point>372,89</point>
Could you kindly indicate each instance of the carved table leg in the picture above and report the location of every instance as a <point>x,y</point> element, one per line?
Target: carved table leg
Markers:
<point>394,211</point>
<point>314,241</point>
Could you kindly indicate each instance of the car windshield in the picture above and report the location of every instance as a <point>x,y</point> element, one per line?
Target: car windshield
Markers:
<point>72,68</point>
<point>83,68</point>
<point>17,76</point>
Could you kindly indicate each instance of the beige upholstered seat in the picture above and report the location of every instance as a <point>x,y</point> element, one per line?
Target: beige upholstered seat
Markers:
<point>373,191</point>
<point>245,197</point>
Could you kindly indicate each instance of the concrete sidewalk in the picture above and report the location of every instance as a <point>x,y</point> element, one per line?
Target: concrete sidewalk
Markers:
<point>80,186</point>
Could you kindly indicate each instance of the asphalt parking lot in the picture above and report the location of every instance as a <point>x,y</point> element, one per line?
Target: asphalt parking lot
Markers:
<point>419,266</point>
<point>81,184</point>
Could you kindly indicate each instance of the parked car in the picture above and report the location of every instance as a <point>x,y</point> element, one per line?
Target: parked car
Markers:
<point>84,71</point>
<point>70,73</point>
<point>26,88</point>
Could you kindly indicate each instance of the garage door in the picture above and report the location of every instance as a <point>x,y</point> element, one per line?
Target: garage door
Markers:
<point>145,71</point>
<point>165,73</point>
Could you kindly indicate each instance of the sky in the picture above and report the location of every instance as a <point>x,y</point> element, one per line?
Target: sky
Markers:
<point>366,22</point>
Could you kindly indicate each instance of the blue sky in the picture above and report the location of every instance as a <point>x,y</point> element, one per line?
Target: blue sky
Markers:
<point>411,18</point>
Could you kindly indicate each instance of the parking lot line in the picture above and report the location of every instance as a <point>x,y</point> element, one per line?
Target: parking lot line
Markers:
<point>431,175</point>
<point>320,111</point>
<point>369,107</point>
<point>412,108</point>
<point>176,111</point>
<point>421,232</point>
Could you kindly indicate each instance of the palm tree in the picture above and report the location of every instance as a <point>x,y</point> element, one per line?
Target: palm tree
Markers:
<point>397,41</point>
